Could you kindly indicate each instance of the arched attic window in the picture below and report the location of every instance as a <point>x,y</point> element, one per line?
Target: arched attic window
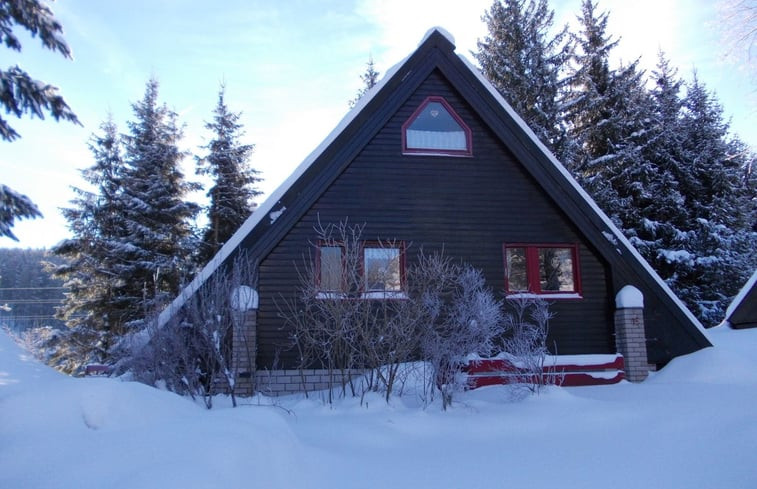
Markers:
<point>435,129</point>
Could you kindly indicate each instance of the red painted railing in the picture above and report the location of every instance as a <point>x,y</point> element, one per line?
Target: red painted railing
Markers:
<point>569,371</point>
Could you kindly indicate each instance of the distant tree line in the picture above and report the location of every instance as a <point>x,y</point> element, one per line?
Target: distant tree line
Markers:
<point>653,150</point>
<point>29,296</point>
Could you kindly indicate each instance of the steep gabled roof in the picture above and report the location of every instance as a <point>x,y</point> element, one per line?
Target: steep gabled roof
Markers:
<point>272,220</point>
<point>742,313</point>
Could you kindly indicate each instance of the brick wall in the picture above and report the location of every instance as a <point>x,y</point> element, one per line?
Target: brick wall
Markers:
<point>278,382</point>
<point>244,352</point>
<point>631,342</point>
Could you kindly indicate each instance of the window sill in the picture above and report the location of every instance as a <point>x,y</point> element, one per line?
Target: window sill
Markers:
<point>441,152</point>
<point>557,295</point>
<point>375,295</point>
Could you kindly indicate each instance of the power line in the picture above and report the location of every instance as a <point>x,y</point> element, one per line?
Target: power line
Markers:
<point>32,301</point>
<point>32,288</point>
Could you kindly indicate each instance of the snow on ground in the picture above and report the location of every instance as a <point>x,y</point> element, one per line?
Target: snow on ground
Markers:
<point>694,424</point>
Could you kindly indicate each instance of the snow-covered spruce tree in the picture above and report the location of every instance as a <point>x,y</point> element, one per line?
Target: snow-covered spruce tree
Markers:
<point>720,253</point>
<point>21,94</point>
<point>661,218</point>
<point>623,159</point>
<point>525,63</point>
<point>664,168</point>
<point>91,307</point>
<point>605,110</point>
<point>233,190</point>
<point>153,254</point>
<point>370,77</point>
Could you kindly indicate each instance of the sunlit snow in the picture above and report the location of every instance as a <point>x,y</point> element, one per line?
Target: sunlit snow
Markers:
<point>694,424</point>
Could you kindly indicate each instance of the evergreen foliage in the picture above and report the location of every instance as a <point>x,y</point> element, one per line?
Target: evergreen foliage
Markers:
<point>525,64</point>
<point>153,253</point>
<point>370,78</point>
<point>132,238</point>
<point>21,94</point>
<point>227,162</point>
<point>92,308</point>
<point>664,167</point>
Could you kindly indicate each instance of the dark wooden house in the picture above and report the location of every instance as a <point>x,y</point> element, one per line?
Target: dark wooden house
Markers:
<point>435,157</point>
<point>742,313</point>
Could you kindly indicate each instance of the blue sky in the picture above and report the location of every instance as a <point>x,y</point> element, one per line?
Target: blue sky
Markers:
<point>291,67</point>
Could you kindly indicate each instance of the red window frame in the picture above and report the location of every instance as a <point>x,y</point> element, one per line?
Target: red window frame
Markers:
<point>533,273</point>
<point>364,294</point>
<point>468,151</point>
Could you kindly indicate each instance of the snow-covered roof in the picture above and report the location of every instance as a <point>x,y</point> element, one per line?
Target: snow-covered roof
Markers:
<point>272,207</point>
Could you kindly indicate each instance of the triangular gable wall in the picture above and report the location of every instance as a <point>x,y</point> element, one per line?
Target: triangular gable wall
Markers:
<point>286,205</point>
<point>742,313</point>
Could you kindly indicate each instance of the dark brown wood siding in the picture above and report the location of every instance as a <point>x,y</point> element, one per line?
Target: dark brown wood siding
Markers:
<point>469,206</point>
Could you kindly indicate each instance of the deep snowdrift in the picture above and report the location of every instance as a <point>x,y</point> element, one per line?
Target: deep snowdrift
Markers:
<point>692,425</point>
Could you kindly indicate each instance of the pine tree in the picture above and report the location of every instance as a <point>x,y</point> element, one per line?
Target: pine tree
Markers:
<point>21,94</point>
<point>370,78</point>
<point>721,239</point>
<point>90,308</point>
<point>663,218</point>
<point>525,64</point>
<point>153,259</point>
<point>227,161</point>
<point>608,115</point>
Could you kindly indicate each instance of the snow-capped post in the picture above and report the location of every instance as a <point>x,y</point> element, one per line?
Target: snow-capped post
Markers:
<point>630,339</point>
<point>244,300</point>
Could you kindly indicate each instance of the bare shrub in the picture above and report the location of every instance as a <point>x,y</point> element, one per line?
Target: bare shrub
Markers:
<point>460,317</point>
<point>443,314</point>
<point>192,353</point>
<point>340,327</point>
<point>528,321</point>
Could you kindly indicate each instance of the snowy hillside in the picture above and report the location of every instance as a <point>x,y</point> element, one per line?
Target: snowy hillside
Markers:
<point>692,425</point>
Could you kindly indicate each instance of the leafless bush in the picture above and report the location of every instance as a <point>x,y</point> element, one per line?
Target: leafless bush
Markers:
<point>192,353</point>
<point>460,317</point>
<point>340,327</point>
<point>528,321</point>
<point>444,313</point>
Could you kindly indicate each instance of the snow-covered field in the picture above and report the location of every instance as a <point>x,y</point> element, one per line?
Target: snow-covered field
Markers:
<point>694,424</point>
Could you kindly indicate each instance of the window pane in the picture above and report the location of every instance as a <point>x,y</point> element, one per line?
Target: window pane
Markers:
<point>435,128</point>
<point>331,268</point>
<point>556,270</point>
<point>517,279</point>
<point>382,269</point>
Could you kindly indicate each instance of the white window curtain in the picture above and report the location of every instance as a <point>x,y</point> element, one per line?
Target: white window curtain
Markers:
<point>436,140</point>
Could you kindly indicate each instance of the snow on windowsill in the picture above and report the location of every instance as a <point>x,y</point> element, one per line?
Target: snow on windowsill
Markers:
<point>559,295</point>
<point>364,295</point>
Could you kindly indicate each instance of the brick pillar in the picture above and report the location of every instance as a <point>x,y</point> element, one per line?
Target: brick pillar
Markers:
<point>244,352</point>
<point>630,339</point>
